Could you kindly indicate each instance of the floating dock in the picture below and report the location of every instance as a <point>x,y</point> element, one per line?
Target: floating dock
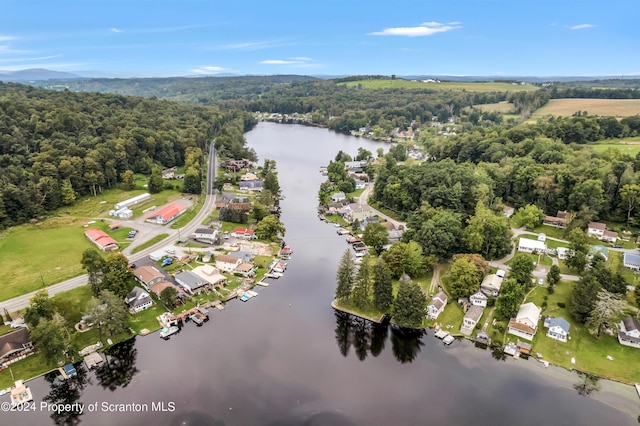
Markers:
<point>20,394</point>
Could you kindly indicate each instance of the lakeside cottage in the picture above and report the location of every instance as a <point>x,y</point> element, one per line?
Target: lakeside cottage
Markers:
<point>479,299</point>
<point>491,284</point>
<point>558,328</point>
<point>471,319</point>
<point>437,305</point>
<point>525,324</point>
<point>138,300</point>
<point>629,334</point>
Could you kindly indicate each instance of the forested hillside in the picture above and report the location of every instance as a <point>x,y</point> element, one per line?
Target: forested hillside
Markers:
<point>55,146</point>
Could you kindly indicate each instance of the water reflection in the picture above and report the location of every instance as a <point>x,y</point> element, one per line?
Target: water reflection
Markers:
<point>66,392</point>
<point>120,367</point>
<point>368,337</point>
<point>406,343</point>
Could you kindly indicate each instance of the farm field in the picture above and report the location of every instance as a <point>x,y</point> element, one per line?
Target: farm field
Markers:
<point>501,107</point>
<point>30,254</point>
<point>483,87</point>
<point>630,146</point>
<point>607,107</point>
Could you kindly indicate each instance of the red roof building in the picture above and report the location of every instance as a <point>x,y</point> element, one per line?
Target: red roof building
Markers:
<point>167,214</point>
<point>101,239</point>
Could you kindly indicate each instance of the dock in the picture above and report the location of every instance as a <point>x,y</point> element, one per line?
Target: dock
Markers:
<point>262,283</point>
<point>92,360</point>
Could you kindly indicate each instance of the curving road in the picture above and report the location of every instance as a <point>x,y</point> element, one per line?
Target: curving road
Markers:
<point>22,302</point>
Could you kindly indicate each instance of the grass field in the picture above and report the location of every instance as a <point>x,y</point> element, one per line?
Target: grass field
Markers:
<point>483,87</point>
<point>502,107</point>
<point>149,243</point>
<point>590,352</point>
<point>607,107</point>
<point>30,255</point>
<point>629,146</point>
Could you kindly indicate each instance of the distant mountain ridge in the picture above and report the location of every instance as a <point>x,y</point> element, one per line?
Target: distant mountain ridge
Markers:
<point>37,74</point>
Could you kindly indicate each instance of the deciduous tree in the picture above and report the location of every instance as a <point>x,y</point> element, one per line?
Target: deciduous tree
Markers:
<point>49,338</point>
<point>156,183</point>
<point>607,308</point>
<point>40,307</point>
<point>376,236</point>
<point>509,299</point>
<point>169,296</point>
<point>522,269</point>
<point>95,265</point>
<point>270,228</point>
<point>463,278</point>
<point>529,216</point>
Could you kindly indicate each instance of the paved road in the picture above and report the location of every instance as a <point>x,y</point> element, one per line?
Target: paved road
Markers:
<point>22,302</point>
<point>362,200</point>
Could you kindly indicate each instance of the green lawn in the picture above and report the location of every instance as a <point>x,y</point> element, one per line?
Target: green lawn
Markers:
<point>29,256</point>
<point>72,303</point>
<point>149,243</point>
<point>616,265</point>
<point>550,231</point>
<point>451,316</point>
<point>28,368</point>
<point>355,194</point>
<point>590,352</point>
<point>337,219</point>
<point>189,214</point>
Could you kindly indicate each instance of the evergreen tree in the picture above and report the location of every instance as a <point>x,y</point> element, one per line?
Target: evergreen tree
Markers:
<point>95,265</point>
<point>271,183</point>
<point>117,275</point>
<point>583,297</point>
<point>345,276</point>
<point>361,294</point>
<point>409,307</point>
<point>382,286</point>
<point>169,297</point>
<point>68,194</point>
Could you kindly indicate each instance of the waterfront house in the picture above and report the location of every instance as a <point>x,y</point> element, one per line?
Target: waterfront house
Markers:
<point>357,212</point>
<point>525,324</point>
<point>138,300</point>
<point>596,229</point>
<point>631,261</point>
<point>227,263</point>
<point>338,197</point>
<point>246,269</point>
<point>205,235</point>
<point>251,185</point>
<point>211,275</point>
<point>245,233</point>
<point>478,299</point>
<point>100,238</point>
<point>437,305</point>
<point>529,246</point>
<point>191,282</point>
<point>491,285</point>
<point>243,255</point>
<point>629,334</point>
<point>161,285</point>
<point>148,276</point>
<point>558,328</point>
<point>471,319</point>
<point>15,346</point>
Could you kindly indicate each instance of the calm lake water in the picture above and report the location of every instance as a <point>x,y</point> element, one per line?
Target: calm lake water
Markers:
<point>286,358</point>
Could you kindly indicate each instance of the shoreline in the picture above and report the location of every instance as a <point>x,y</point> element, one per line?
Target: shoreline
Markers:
<point>334,305</point>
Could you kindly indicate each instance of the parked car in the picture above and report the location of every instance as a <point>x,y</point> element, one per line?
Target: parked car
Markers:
<point>167,261</point>
<point>616,246</point>
<point>132,265</point>
<point>170,251</point>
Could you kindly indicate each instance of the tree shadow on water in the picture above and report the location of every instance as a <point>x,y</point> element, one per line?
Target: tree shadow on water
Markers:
<point>120,367</point>
<point>66,391</point>
<point>587,385</point>
<point>406,343</point>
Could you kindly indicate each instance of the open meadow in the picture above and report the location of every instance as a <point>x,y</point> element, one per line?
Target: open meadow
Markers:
<point>483,87</point>
<point>501,107</point>
<point>604,107</point>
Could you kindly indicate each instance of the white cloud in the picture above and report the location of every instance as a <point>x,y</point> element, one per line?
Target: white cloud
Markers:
<point>115,30</point>
<point>424,29</point>
<point>581,26</point>
<point>40,58</point>
<point>6,38</point>
<point>210,70</point>
<point>297,60</point>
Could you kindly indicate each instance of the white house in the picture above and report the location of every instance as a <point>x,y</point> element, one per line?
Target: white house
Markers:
<point>227,263</point>
<point>563,252</point>
<point>337,197</point>
<point>478,299</point>
<point>138,300</point>
<point>629,334</point>
<point>471,318</point>
<point>609,236</point>
<point>558,328</point>
<point>542,237</point>
<point>437,305</point>
<point>529,246</point>
<point>596,229</point>
<point>206,235</point>
<point>491,285</point>
<point>525,324</point>
<point>631,261</point>
<point>360,184</point>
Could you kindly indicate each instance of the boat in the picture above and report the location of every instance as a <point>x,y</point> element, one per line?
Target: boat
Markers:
<point>244,297</point>
<point>441,334</point>
<point>449,339</point>
<point>262,283</point>
<point>196,319</point>
<point>166,332</point>
<point>251,293</point>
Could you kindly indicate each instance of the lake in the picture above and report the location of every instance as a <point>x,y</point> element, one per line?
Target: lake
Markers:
<point>286,358</point>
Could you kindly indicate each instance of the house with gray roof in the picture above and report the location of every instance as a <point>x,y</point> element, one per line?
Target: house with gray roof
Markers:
<point>631,261</point>
<point>558,328</point>
<point>471,318</point>
<point>138,300</point>
<point>191,282</point>
<point>338,197</point>
<point>245,256</point>
<point>629,334</point>
<point>251,185</point>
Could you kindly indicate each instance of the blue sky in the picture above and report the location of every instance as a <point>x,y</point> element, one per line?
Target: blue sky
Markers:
<point>330,37</point>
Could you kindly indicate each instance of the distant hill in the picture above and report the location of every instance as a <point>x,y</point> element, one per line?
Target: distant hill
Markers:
<point>36,74</point>
<point>528,79</point>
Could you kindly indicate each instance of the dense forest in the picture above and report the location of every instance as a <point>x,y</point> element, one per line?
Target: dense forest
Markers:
<point>55,146</point>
